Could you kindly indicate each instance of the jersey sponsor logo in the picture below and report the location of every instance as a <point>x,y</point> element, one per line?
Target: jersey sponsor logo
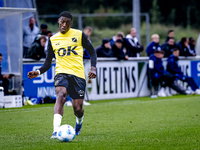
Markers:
<point>62,51</point>
<point>74,39</point>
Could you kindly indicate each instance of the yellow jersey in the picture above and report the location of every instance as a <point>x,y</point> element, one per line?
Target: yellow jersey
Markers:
<point>68,51</point>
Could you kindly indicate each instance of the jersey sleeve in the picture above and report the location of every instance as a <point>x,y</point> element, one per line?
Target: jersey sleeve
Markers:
<point>88,46</point>
<point>47,64</point>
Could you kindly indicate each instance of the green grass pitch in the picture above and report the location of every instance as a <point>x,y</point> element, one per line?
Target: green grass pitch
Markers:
<point>122,124</point>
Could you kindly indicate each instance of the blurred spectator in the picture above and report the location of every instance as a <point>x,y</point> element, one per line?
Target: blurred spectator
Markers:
<point>160,76</point>
<point>88,32</point>
<point>36,51</point>
<point>154,45</point>
<point>170,35</point>
<point>183,46</point>
<point>192,46</point>
<point>118,51</point>
<point>133,46</point>
<point>174,69</point>
<point>168,46</point>
<point>4,82</point>
<point>43,31</point>
<point>86,55</point>
<point>105,49</point>
<point>119,35</point>
<point>48,35</point>
<point>43,28</point>
<point>29,34</point>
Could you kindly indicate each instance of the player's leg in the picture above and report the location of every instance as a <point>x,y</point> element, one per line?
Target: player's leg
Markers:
<point>61,95</point>
<point>5,86</point>
<point>79,113</point>
<point>191,83</point>
<point>77,91</point>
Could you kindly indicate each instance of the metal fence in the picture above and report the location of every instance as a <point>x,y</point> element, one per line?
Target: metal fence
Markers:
<point>80,17</point>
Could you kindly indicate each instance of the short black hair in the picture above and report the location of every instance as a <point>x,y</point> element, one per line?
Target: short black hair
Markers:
<point>66,14</point>
<point>48,32</point>
<point>159,51</point>
<point>170,31</point>
<point>0,54</point>
<point>183,39</point>
<point>105,40</point>
<point>175,49</point>
<point>191,39</point>
<point>43,26</point>
<point>119,41</point>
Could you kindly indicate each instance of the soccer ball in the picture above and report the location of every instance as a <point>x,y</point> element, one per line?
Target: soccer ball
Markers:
<point>66,133</point>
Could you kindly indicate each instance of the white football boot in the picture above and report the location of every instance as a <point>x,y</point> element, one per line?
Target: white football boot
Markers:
<point>197,91</point>
<point>161,93</point>
<point>86,103</point>
<point>68,103</point>
<point>167,91</point>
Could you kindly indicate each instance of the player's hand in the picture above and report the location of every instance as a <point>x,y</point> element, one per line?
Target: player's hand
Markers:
<point>6,76</point>
<point>32,74</point>
<point>92,74</point>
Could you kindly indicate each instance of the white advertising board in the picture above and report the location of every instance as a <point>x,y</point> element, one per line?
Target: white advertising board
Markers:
<point>115,79</point>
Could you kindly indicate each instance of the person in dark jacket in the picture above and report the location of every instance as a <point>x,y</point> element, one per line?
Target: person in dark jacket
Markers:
<point>192,46</point>
<point>183,46</point>
<point>154,45</point>
<point>4,82</point>
<point>170,35</point>
<point>173,68</point>
<point>168,46</point>
<point>119,35</point>
<point>88,32</point>
<point>157,71</point>
<point>132,44</point>
<point>37,49</point>
<point>160,76</point>
<point>117,51</point>
<point>105,49</point>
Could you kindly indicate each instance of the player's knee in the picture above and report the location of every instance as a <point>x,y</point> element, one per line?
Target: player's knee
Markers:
<point>77,108</point>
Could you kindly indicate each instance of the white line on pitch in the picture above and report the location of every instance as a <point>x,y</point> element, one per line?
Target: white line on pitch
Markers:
<point>141,101</point>
<point>23,110</point>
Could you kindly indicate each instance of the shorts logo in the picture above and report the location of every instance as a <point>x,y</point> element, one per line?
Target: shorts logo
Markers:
<point>74,39</point>
<point>81,93</point>
<point>56,82</point>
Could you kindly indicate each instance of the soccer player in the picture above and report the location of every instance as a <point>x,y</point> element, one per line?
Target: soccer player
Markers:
<point>67,45</point>
<point>173,68</point>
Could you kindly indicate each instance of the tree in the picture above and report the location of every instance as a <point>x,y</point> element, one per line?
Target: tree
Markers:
<point>155,12</point>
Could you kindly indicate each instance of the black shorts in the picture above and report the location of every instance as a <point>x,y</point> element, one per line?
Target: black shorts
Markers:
<point>75,85</point>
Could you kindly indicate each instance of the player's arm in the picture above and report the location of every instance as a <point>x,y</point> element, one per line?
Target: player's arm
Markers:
<point>93,56</point>
<point>47,64</point>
